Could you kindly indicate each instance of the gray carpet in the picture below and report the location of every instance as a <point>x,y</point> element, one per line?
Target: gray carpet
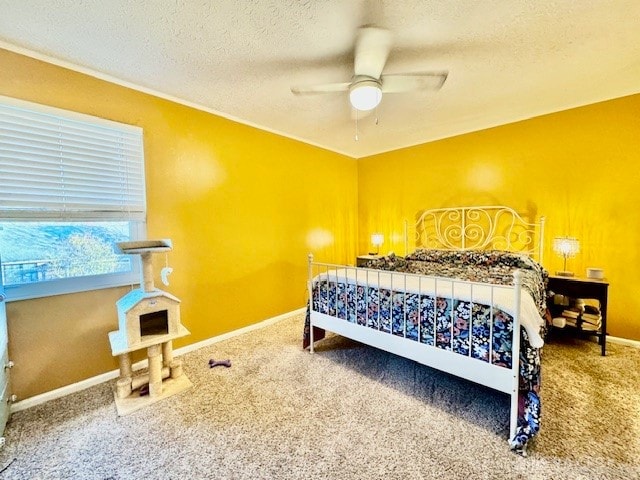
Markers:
<point>347,412</point>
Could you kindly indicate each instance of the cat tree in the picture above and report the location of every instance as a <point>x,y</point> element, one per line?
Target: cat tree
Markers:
<point>148,318</point>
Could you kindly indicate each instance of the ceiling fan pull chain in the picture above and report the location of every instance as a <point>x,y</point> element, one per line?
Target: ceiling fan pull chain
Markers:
<point>356,137</point>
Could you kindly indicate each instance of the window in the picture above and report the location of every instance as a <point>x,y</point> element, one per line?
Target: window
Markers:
<point>71,186</point>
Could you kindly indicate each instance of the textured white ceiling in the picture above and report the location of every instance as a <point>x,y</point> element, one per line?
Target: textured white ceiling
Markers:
<point>507,60</point>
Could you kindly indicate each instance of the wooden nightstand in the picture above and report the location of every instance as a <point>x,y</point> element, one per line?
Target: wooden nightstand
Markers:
<point>575,287</point>
<point>361,260</point>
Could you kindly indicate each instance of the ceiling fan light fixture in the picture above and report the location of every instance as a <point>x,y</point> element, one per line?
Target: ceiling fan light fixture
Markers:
<point>365,95</point>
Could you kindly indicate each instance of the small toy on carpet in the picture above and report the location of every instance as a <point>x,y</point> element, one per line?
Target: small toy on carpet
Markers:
<point>217,363</point>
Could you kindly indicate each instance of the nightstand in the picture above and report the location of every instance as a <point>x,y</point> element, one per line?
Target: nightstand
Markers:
<point>575,287</point>
<point>361,260</point>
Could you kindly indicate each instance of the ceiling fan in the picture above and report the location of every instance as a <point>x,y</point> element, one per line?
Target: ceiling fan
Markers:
<point>368,83</point>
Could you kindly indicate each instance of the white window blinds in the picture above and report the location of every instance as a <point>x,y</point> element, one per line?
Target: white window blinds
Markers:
<point>56,164</point>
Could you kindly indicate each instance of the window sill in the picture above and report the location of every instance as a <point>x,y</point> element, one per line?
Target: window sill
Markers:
<point>70,285</point>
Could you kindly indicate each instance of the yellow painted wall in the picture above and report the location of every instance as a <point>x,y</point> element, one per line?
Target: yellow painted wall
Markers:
<point>579,168</point>
<point>242,206</point>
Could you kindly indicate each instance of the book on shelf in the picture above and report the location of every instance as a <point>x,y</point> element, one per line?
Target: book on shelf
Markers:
<point>581,313</point>
<point>571,313</point>
<point>591,304</point>
<point>572,322</point>
<point>591,318</point>
<point>588,310</point>
<point>590,327</point>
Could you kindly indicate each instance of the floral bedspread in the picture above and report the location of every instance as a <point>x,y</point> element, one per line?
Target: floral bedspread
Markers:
<point>429,320</point>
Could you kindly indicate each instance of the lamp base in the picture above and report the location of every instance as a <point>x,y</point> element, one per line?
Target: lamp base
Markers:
<point>565,274</point>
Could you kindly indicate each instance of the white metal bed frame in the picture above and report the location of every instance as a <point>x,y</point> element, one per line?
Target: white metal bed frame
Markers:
<point>461,228</point>
<point>480,228</point>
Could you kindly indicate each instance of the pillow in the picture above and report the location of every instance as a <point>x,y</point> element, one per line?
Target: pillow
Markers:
<point>389,262</point>
<point>475,257</point>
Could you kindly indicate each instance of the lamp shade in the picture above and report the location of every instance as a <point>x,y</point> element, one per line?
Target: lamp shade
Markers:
<point>566,246</point>
<point>365,95</point>
<point>377,239</point>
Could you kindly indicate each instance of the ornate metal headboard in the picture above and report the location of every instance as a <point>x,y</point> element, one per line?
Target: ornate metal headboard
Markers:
<point>479,228</point>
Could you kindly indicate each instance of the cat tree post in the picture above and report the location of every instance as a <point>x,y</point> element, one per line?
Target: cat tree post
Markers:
<point>155,370</point>
<point>146,272</point>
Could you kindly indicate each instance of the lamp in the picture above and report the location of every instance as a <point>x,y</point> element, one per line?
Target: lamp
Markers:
<point>377,239</point>
<point>365,94</point>
<point>566,247</point>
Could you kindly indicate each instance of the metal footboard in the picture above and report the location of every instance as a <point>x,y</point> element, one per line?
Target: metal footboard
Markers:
<point>438,355</point>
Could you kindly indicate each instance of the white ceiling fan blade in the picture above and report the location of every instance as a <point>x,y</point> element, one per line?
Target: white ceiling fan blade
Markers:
<point>413,81</point>
<point>322,88</point>
<point>371,52</point>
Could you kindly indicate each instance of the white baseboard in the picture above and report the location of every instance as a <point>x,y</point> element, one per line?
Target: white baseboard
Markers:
<point>617,340</point>
<point>623,341</point>
<point>105,377</point>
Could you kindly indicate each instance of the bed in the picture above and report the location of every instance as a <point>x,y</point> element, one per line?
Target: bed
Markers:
<point>453,304</point>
